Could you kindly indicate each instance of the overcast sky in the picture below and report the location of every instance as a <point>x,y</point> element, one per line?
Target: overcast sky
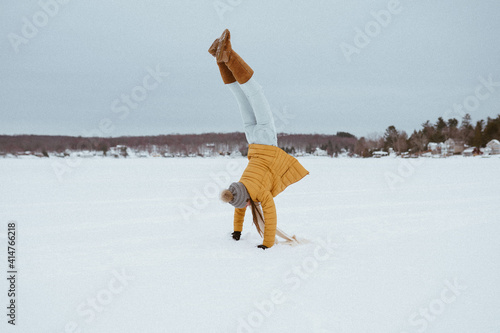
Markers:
<point>84,67</point>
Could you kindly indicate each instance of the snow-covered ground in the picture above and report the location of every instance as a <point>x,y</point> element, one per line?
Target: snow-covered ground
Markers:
<point>143,245</point>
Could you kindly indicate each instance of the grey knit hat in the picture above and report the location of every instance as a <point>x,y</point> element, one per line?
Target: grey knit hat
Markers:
<point>240,195</point>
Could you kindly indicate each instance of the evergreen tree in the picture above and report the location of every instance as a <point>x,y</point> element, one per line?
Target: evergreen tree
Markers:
<point>428,131</point>
<point>439,133</point>
<point>477,141</point>
<point>345,135</point>
<point>418,142</point>
<point>390,137</point>
<point>452,129</point>
<point>466,130</point>
<point>402,142</point>
<point>492,130</point>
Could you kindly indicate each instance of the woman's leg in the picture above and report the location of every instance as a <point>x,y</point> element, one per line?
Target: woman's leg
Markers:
<point>264,132</point>
<point>246,110</point>
<point>255,109</point>
<point>256,112</point>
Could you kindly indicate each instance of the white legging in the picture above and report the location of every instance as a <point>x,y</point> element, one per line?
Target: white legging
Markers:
<point>255,112</point>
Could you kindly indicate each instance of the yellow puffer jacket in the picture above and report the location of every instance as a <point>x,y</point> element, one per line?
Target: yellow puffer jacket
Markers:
<point>270,170</point>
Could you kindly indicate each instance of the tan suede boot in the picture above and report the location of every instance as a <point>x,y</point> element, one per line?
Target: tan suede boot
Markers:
<point>225,54</point>
<point>225,73</point>
<point>240,69</point>
<point>213,49</point>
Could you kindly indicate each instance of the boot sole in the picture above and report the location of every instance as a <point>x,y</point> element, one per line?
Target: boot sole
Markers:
<point>222,55</point>
<point>213,48</point>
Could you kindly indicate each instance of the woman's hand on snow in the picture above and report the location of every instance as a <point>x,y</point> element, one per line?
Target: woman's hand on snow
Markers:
<point>236,235</point>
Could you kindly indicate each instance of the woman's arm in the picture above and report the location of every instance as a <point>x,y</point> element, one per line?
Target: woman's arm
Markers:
<point>270,219</point>
<point>239,216</point>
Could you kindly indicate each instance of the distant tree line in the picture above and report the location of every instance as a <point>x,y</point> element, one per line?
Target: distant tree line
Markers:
<point>465,132</point>
<point>183,144</point>
<point>308,143</point>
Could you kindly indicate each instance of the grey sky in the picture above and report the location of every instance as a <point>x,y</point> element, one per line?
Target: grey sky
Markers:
<point>69,77</point>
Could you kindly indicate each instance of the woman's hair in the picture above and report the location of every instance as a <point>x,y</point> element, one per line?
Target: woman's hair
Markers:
<point>226,196</point>
<point>256,216</point>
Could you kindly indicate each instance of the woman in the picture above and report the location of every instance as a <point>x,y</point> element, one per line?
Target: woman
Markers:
<point>270,170</point>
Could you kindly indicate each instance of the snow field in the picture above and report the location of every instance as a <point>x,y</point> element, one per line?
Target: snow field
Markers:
<point>131,245</point>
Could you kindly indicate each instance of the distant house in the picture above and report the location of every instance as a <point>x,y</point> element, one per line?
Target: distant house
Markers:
<point>38,154</point>
<point>320,152</point>
<point>85,154</point>
<point>343,153</point>
<point>494,145</point>
<point>486,151</point>
<point>449,147</point>
<point>468,152</point>
<point>209,150</point>
<point>453,147</point>
<point>236,153</point>
<point>434,147</point>
<point>119,151</point>
<point>378,154</point>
